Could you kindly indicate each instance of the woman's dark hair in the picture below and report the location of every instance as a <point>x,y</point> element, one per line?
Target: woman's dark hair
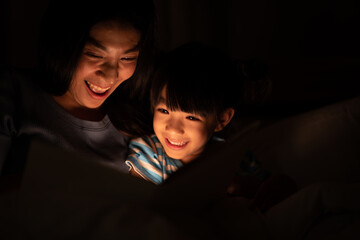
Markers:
<point>64,31</point>
<point>198,79</point>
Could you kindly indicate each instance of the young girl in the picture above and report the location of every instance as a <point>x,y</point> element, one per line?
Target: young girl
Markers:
<point>193,97</point>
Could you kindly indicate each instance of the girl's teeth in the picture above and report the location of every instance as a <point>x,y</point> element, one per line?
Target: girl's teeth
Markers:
<point>177,143</point>
<point>97,89</point>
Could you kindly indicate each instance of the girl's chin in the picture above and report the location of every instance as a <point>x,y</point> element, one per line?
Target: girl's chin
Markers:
<point>174,154</point>
<point>180,156</point>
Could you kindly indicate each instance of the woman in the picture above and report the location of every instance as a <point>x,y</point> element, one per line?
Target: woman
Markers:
<point>89,50</point>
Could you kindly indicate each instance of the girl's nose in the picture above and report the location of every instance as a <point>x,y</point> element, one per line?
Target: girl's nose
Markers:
<point>175,126</point>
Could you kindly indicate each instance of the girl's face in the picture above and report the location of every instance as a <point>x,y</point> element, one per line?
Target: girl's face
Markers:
<point>108,59</point>
<point>183,135</point>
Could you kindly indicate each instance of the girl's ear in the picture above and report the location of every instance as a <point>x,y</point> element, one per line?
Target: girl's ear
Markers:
<point>224,119</point>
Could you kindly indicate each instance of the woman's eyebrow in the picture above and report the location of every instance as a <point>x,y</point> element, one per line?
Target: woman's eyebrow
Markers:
<point>96,43</point>
<point>133,49</point>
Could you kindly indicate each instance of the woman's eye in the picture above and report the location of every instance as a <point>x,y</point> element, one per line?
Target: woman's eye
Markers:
<point>192,118</point>
<point>93,55</point>
<point>164,111</point>
<point>128,59</point>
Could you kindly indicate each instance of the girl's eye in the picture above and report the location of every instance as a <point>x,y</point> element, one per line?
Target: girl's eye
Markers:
<point>93,55</point>
<point>192,118</point>
<point>164,111</point>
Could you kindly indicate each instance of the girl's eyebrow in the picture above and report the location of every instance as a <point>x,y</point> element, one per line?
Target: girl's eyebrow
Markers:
<point>162,100</point>
<point>97,44</point>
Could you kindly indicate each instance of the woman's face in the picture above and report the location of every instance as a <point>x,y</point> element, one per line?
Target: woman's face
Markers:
<point>109,58</point>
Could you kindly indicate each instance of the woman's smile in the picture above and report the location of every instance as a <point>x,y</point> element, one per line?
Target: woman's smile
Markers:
<point>96,89</point>
<point>109,58</point>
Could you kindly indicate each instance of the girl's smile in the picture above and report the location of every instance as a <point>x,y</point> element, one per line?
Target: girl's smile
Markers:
<point>176,145</point>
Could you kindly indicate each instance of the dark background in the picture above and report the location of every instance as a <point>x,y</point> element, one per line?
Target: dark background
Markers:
<point>311,47</point>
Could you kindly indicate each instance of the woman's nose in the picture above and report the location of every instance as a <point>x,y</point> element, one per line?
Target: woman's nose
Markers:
<point>109,71</point>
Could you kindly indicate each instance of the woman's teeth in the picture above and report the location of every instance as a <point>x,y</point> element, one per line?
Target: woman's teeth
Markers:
<point>97,89</point>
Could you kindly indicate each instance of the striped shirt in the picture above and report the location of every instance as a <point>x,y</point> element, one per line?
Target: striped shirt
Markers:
<point>148,158</point>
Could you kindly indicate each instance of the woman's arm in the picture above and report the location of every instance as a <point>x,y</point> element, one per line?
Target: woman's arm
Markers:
<point>8,95</point>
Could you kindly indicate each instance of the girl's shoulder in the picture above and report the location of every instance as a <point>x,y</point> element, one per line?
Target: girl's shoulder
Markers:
<point>146,143</point>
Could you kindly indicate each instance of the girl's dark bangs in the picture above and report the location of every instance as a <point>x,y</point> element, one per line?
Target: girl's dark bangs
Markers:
<point>181,95</point>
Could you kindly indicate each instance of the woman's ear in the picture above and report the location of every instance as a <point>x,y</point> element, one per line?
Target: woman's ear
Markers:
<point>224,118</point>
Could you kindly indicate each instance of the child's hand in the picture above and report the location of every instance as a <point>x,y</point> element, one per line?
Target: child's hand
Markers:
<point>272,191</point>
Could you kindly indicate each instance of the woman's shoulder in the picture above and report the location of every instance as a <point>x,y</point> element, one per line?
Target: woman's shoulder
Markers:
<point>18,93</point>
<point>12,83</point>
<point>18,80</point>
